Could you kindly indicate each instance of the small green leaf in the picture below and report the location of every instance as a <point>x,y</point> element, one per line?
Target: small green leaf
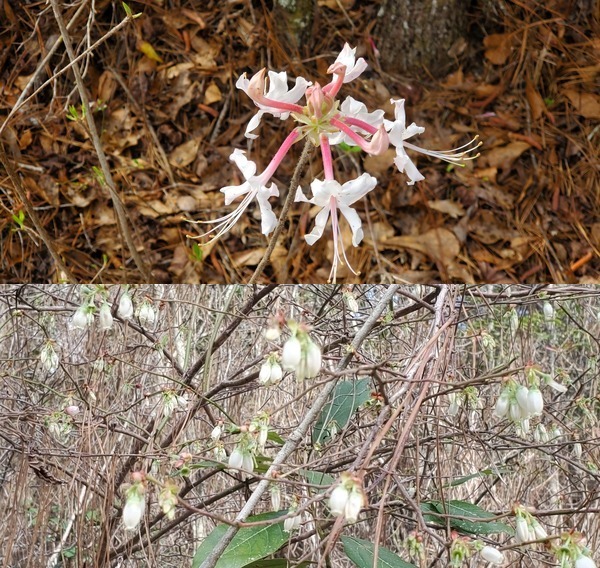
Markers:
<point>19,219</point>
<point>249,544</point>
<point>127,10</point>
<point>361,553</point>
<point>347,398</point>
<point>479,525</point>
<point>323,480</point>
<point>197,253</point>
<point>275,437</point>
<point>347,148</point>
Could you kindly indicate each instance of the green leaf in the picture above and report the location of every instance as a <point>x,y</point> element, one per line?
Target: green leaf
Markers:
<point>248,545</point>
<point>276,563</point>
<point>348,396</point>
<point>275,437</point>
<point>324,480</point>
<point>347,148</point>
<point>480,525</point>
<point>361,553</point>
<point>483,472</point>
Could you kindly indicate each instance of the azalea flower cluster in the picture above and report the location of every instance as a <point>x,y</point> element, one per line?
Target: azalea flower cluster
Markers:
<point>462,548</point>
<point>251,442</point>
<point>326,123</point>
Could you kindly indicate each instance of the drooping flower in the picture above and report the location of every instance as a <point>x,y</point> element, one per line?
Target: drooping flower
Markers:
<point>146,314</point>
<point>331,197</point>
<point>278,99</point>
<point>354,113</point>
<point>492,555</point>
<point>49,358</point>
<point>83,317</point>
<point>585,562</point>
<point>347,498</point>
<point>105,318</point>
<point>125,310</point>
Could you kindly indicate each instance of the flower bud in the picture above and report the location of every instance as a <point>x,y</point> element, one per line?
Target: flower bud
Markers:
<point>585,562</point>
<point>548,311</point>
<point>522,530</point>
<point>146,314</point>
<point>522,395</point>
<point>338,499</point>
<point>276,373</point>
<point>538,530</point>
<point>313,360</point>
<point>105,317</point>
<point>236,458</point>
<point>492,555</point>
<point>264,375</point>
<point>514,411</point>
<point>275,496</point>
<point>125,309</point>
<point>49,358</point>
<point>355,503</point>
<point>291,523</point>
<point>72,410</point>
<point>217,431</point>
<point>535,401</point>
<point>81,318</point>
<point>556,386</point>
<point>134,508</point>
<point>292,354</point>
<point>272,333</point>
<point>501,408</point>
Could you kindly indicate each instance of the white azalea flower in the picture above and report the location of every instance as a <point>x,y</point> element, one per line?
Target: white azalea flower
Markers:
<point>353,109</point>
<point>331,196</point>
<point>354,67</point>
<point>266,99</point>
<point>252,188</point>
<point>398,134</point>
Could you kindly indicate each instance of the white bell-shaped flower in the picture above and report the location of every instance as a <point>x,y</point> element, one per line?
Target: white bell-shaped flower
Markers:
<point>292,354</point>
<point>105,318</point>
<point>522,396</point>
<point>501,408</point>
<point>146,314</point>
<point>535,401</point>
<point>585,562</point>
<point>134,509</point>
<point>338,499</point>
<point>125,309</point>
<point>81,318</point>
<point>522,531</point>
<point>492,555</point>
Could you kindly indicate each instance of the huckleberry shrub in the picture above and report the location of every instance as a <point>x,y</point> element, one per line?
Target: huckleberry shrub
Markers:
<point>325,121</point>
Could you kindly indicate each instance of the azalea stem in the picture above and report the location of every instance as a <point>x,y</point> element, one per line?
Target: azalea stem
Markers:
<point>284,212</point>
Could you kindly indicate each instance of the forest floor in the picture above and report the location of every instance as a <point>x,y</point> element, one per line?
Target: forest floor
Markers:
<point>526,80</point>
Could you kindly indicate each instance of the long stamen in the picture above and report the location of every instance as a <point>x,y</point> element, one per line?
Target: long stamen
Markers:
<point>452,156</point>
<point>227,221</point>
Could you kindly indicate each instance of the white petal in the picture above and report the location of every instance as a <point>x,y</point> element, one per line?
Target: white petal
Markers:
<point>356,188</point>
<point>323,190</point>
<point>254,124</point>
<point>320,222</point>
<point>233,191</point>
<point>246,166</point>
<point>268,218</point>
<point>354,221</point>
<point>405,164</point>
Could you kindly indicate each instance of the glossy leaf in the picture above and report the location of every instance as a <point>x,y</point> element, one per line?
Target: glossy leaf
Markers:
<point>347,398</point>
<point>480,523</point>
<point>249,544</point>
<point>361,553</point>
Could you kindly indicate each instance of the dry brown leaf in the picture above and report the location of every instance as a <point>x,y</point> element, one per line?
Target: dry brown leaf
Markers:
<point>439,244</point>
<point>184,154</point>
<point>452,208</point>
<point>107,85</point>
<point>498,48</point>
<point>248,257</point>
<point>536,103</point>
<point>586,104</point>
<point>212,94</point>
<point>378,165</point>
<point>503,157</point>
<point>336,5</point>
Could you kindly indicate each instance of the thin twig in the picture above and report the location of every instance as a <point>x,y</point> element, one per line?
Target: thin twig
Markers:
<point>116,200</point>
<point>298,435</point>
<point>284,212</point>
<point>32,214</point>
<point>22,100</point>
